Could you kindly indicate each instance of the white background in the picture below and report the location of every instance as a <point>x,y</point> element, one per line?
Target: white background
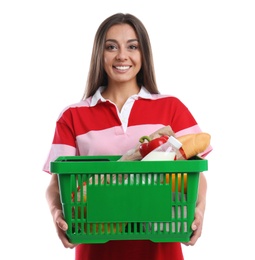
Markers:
<point>204,54</point>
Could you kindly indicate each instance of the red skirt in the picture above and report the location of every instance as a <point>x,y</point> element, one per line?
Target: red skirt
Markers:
<point>129,250</point>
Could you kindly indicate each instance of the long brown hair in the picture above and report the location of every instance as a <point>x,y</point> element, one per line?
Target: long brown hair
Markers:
<point>97,76</point>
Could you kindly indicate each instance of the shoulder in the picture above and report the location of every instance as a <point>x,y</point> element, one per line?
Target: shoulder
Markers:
<point>146,95</point>
<point>165,98</point>
<point>82,103</point>
<point>162,100</point>
<point>78,106</point>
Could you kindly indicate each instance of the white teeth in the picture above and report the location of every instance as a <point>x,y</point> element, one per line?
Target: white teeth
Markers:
<point>122,67</point>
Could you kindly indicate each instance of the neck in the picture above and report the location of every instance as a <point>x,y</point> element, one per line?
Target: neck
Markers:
<point>119,93</point>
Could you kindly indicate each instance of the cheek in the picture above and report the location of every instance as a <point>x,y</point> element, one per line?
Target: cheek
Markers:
<point>108,60</point>
<point>106,63</point>
<point>138,60</point>
<point>138,63</point>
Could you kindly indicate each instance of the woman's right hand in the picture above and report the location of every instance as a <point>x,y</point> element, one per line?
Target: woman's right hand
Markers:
<point>61,228</point>
<point>53,199</point>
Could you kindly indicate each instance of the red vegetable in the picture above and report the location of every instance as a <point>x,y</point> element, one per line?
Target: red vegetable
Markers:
<point>151,144</point>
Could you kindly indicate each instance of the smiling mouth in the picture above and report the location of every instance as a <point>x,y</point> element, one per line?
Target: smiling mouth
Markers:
<point>122,68</point>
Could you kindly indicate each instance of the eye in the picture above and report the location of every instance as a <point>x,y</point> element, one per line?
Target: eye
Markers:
<point>133,47</point>
<point>110,47</point>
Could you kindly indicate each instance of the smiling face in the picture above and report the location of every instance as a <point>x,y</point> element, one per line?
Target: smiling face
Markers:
<point>122,56</point>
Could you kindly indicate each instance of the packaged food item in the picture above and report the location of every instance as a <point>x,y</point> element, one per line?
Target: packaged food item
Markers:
<point>170,150</point>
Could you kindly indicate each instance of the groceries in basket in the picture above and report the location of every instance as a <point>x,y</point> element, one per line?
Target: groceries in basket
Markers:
<point>192,144</point>
<point>169,150</point>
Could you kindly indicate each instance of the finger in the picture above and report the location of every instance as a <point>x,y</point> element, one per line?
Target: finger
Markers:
<point>66,243</point>
<point>166,130</point>
<point>194,226</point>
<point>62,224</point>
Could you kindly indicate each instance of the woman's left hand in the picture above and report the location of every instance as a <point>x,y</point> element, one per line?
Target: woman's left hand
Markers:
<point>196,226</point>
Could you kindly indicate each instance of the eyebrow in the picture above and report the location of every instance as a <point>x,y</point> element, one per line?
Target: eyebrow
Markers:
<point>113,40</point>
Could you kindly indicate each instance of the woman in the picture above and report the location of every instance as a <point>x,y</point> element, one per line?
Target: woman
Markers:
<point>121,103</point>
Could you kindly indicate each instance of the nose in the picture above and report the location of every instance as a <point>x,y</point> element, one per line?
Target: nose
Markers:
<point>121,55</point>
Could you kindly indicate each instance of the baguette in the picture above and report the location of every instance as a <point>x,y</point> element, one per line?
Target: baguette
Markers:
<point>194,144</point>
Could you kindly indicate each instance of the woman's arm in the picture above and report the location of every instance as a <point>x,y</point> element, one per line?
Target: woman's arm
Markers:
<point>53,199</point>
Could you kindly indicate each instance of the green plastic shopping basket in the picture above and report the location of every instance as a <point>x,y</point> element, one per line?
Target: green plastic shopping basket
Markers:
<point>105,199</point>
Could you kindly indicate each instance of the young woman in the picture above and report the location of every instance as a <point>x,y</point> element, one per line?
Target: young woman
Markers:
<point>121,103</point>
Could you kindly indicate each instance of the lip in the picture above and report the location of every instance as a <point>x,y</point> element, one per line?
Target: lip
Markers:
<point>122,67</point>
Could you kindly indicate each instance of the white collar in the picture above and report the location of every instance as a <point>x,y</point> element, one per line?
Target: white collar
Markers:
<point>97,97</point>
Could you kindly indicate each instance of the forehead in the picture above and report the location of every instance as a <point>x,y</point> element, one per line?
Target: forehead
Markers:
<point>121,32</point>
